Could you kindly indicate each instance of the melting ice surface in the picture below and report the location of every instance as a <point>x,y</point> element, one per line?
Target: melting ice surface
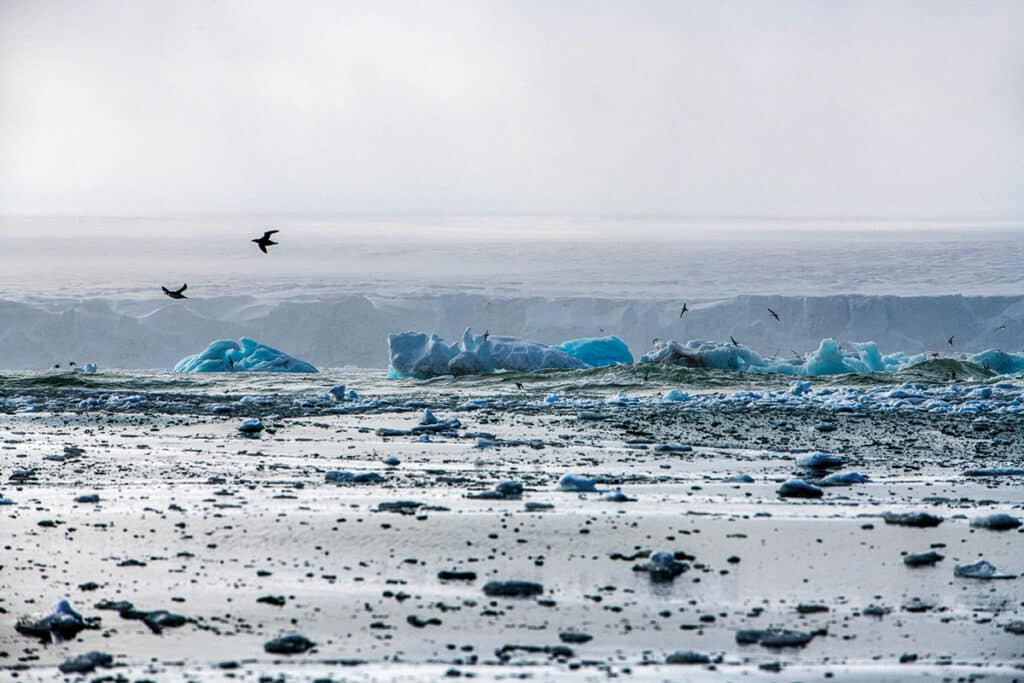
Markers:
<point>415,354</point>
<point>244,355</point>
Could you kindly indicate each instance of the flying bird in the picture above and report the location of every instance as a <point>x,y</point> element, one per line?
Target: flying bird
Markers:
<point>775,315</point>
<point>950,342</point>
<point>265,241</point>
<point>487,333</point>
<point>72,364</point>
<point>1001,328</point>
<point>683,310</point>
<point>176,293</point>
<point>520,387</point>
<point>733,340</point>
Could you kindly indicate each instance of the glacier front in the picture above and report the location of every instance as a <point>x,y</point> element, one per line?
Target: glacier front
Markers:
<point>415,354</point>
<point>244,355</point>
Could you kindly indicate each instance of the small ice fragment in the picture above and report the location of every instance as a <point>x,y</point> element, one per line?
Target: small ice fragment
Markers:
<point>914,519</point>
<point>481,442</point>
<point>820,461</point>
<point>798,488</point>
<point>392,461</point>
<point>675,396</point>
<point>981,569</point>
<point>617,496</point>
<point>428,417</point>
<point>251,426</point>
<point>293,644</point>
<point>997,522</point>
<point>825,427</point>
<point>687,657</point>
<point>842,479</point>
<point>799,387</point>
<point>512,589</point>
<point>740,478</point>
<point>578,484</point>
<point>673,448</point>
<point>88,498</point>
<point>337,392</point>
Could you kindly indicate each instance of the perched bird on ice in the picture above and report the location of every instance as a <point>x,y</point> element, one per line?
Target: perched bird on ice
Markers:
<point>775,315</point>
<point>265,241</point>
<point>176,293</point>
<point>733,340</point>
<point>950,342</point>
<point>487,333</point>
<point>683,310</point>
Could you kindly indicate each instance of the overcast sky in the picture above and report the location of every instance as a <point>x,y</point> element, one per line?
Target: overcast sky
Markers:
<point>756,108</point>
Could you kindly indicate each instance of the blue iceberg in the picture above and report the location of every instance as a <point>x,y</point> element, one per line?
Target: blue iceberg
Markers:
<point>244,355</point>
<point>598,352</point>
<point>414,354</point>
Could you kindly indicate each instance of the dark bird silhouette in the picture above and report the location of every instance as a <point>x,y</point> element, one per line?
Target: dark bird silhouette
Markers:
<point>176,293</point>
<point>683,310</point>
<point>950,342</point>
<point>265,241</point>
<point>487,333</point>
<point>775,315</point>
<point>72,364</point>
<point>56,366</point>
<point>1001,328</point>
<point>797,353</point>
<point>520,387</point>
<point>733,340</point>
<point>654,342</point>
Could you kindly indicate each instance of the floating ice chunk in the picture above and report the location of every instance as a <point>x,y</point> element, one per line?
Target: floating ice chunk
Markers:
<point>820,461</point>
<point>63,623</point>
<point>90,367</point>
<point>798,488</point>
<point>251,426</point>
<point>617,496</point>
<point>428,417</point>
<point>799,388</point>
<point>506,490</point>
<point>981,569</point>
<point>842,479</point>
<point>999,361</point>
<point>337,392</point>
<point>687,657</point>
<point>552,398</point>
<point>578,483</point>
<point>392,461</point>
<point>997,522</point>
<point>673,448</point>
<point>245,355</point>
<point>926,559</point>
<point>482,442</point>
<point>414,354</point>
<point>598,351</point>
<point>662,566</point>
<point>914,519</point>
<point>740,478</point>
<point>6,501</point>
<point>675,396</point>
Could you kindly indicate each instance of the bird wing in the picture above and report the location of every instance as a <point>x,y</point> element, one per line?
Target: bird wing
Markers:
<point>262,247</point>
<point>166,291</point>
<point>183,288</point>
<point>268,233</point>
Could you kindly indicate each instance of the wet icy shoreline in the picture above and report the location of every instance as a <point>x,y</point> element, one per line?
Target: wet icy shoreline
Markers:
<point>196,517</point>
